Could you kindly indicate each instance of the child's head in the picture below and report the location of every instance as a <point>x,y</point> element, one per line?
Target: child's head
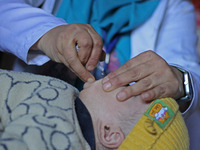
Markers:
<point>133,124</point>
<point>112,120</point>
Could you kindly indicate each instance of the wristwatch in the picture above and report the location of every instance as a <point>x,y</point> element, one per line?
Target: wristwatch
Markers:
<point>187,87</point>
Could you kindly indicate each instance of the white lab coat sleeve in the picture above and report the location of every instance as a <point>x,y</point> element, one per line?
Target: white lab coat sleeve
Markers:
<point>171,33</point>
<point>22,25</point>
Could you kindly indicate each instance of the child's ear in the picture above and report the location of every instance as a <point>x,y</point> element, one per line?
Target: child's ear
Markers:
<point>110,136</point>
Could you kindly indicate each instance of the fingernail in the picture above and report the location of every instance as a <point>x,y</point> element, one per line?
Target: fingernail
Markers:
<point>121,96</point>
<point>90,68</point>
<point>90,80</point>
<point>105,79</point>
<point>107,86</point>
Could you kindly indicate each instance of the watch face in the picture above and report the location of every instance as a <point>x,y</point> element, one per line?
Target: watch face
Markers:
<point>186,83</point>
<point>187,87</point>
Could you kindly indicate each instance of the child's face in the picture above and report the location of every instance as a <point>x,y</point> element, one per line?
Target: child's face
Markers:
<point>108,114</point>
<point>104,105</point>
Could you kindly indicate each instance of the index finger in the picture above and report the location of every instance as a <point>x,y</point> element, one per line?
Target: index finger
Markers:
<point>139,59</point>
<point>97,53</point>
<point>81,71</point>
<point>72,60</point>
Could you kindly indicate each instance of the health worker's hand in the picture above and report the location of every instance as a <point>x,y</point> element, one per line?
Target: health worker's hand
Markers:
<point>153,78</point>
<point>60,45</point>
